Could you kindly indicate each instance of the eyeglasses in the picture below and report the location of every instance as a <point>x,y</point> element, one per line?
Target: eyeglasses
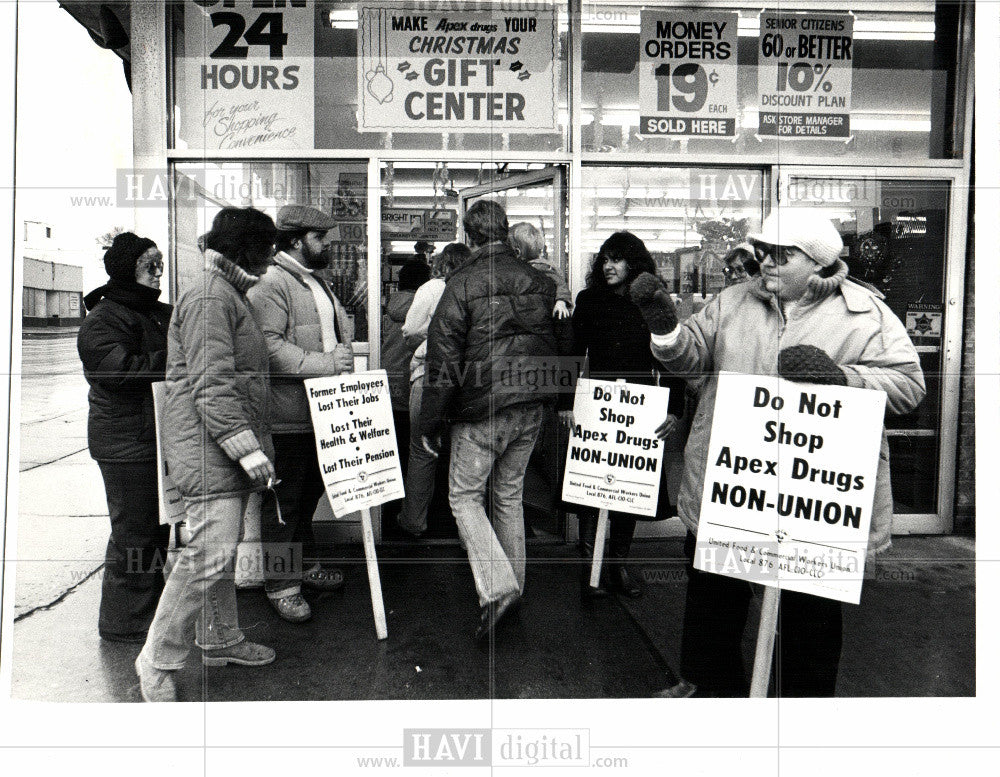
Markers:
<point>152,266</point>
<point>780,254</point>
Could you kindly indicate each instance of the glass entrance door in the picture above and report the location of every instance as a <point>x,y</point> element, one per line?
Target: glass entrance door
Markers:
<point>897,235</point>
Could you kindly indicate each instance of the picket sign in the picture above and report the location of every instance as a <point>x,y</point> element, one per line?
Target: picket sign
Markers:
<point>765,643</point>
<point>374,582</point>
<point>602,533</point>
<point>358,456</point>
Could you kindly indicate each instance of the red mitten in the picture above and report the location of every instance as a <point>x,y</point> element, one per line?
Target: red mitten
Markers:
<point>809,364</point>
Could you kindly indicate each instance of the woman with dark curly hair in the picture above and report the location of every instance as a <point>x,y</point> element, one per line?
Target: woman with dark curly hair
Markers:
<point>218,447</point>
<point>611,331</point>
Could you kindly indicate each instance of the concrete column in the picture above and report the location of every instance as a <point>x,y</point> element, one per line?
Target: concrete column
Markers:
<point>149,114</point>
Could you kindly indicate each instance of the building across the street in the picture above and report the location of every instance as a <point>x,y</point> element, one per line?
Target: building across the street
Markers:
<point>685,123</point>
<point>52,291</point>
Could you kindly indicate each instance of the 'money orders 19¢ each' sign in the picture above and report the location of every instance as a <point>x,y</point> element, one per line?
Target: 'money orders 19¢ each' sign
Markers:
<point>355,440</point>
<point>615,460</point>
<point>789,484</point>
<point>491,69</point>
<point>687,73</point>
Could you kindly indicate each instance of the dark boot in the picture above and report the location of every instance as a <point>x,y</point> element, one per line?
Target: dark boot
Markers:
<point>618,577</point>
<point>588,531</point>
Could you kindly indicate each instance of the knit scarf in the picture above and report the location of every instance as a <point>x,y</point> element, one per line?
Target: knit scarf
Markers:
<point>239,278</point>
<point>817,289</point>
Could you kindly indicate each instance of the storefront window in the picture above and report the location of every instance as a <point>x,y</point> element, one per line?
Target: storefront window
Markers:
<point>896,236</point>
<point>884,71</point>
<point>256,93</point>
<point>337,188</point>
<point>689,219</point>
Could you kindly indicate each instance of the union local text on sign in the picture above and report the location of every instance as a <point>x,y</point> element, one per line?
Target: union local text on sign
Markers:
<point>245,80</point>
<point>789,484</point>
<point>615,460</point>
<point>489,70</point>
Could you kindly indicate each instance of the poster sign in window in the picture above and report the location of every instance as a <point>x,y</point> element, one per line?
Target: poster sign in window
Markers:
<point>924,322</point>
<point>687,73</point>
<point>805,74</point>
<point>789,484</point>
<point>615,460</point>
<point>245,77</point>
<point>355,440</point>
<point>490,69</point>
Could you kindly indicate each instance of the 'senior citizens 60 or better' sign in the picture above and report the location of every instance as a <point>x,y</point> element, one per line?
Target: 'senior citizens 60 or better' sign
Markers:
<point>614,460</point>
<point>790,483</point>
<point>355,440</point>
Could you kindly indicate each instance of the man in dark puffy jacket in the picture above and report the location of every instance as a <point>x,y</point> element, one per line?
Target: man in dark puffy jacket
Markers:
<point>123,346</point>
<point>494,320</point>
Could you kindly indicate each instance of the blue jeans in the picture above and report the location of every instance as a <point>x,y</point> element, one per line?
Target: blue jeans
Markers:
<point>499,446</point>
<point>200,594</point>
<point>420,469</point>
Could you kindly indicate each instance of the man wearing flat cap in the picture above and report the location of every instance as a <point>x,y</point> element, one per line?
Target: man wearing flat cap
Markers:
<point>804,320</point>
<point>308,335</point>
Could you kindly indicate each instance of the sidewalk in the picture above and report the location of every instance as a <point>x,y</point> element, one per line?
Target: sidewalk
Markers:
<point>913,635</point>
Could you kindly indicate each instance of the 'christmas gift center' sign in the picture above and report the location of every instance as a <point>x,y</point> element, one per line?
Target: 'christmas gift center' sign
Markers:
<point>491,69</point>
<point>790,484</point>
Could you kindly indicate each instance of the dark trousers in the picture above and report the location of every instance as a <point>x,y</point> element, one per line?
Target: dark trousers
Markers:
<point>298,494</point>
<point>807,645</point>
<point>137,549</point>
<point>621,526</point>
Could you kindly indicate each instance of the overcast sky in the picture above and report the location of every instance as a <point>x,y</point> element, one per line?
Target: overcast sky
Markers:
<point>74,130</point>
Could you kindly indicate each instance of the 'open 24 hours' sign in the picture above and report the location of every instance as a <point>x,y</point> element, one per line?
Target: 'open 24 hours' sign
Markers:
<point>489,70</point>
<point>245,80</point>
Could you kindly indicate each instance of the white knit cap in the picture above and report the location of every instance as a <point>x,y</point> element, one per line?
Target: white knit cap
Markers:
<point>806,229</point>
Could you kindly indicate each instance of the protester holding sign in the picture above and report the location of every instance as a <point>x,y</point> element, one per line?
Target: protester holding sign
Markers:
<point>308,335</point>
<point>123,346</point>
<point>495,316</point>
<point>611,331</point>
<point>218,444</point>
<point>803,320</point>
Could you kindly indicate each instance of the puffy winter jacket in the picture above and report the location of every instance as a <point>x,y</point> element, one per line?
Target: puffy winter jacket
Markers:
<point>742,330</point>
<point>217,385</point>
<point>609,329</point>
<point>123,346</point>
<point>494,311</point>
<point>285,309</point>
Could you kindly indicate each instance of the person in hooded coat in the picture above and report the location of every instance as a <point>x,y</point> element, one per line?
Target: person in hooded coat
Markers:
<point>123,346</point>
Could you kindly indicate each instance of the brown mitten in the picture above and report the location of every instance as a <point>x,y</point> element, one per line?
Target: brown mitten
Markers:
<point>653,300</point>
<point>809,364</point>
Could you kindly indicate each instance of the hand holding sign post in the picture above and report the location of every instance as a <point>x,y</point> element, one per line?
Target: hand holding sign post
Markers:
<point>358,456</point>
<point>789,489</point>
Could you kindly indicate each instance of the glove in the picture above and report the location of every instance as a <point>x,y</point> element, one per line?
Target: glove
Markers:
<point>258,467</point>
<point>651,297</point>
<point>809,364</point>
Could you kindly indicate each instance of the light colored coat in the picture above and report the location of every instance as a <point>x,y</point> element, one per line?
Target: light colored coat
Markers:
<point>285,309</point>
<point>742,330</point>
<point>217,395</point>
